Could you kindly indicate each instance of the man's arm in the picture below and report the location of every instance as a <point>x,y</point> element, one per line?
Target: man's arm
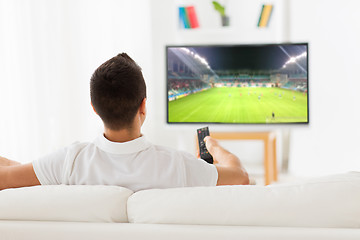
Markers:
<point>17,175</point>
<point>4,162</point>
<point>229,167</point>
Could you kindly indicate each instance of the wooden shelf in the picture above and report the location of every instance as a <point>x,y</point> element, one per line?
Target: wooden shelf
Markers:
<point>269,138</point>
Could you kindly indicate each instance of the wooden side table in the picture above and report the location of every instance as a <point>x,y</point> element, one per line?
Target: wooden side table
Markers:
<point>269,138</point>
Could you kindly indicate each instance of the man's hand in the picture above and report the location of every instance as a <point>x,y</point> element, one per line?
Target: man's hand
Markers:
<point>229,167</point>
<point>211,145</point>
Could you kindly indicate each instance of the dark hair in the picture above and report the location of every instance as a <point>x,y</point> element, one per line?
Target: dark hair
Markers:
<point>117,89</point>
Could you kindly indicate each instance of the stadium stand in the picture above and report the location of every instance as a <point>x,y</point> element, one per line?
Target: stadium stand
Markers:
<point>188,73</point>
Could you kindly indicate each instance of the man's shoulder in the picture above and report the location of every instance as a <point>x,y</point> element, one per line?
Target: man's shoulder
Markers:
<point>172,151</point>
<point>78,144</point>
<point>77,147</point>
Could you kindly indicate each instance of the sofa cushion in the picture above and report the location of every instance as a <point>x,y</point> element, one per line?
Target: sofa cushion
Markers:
<point>331,201</point>
<point>65,203</point>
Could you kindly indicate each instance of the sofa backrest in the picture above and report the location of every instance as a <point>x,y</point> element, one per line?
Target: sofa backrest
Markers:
<point>331,201</point>
<point>65,203</point>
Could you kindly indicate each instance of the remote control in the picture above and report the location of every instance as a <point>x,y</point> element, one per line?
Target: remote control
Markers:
<point>204,153</point>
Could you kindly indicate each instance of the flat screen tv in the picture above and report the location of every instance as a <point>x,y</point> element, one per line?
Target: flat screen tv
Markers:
<point>238,84</point>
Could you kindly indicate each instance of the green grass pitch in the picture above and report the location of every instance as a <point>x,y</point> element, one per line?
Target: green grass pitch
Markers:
<point>240,105</point>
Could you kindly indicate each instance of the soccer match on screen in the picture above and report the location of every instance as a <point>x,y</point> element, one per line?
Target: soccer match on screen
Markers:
<point>238,84</point>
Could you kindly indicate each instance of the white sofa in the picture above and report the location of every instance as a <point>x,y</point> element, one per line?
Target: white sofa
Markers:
<point>323,208</point>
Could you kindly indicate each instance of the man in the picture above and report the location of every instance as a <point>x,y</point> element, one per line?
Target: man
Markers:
<point>122,156</point>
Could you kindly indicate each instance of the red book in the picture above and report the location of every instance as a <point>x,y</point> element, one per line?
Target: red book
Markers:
<point>194,23</point>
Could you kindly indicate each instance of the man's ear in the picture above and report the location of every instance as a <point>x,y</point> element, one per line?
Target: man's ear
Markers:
<point>142,108</point>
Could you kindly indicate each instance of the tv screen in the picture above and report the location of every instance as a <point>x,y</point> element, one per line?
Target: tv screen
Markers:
<point>240,84</point>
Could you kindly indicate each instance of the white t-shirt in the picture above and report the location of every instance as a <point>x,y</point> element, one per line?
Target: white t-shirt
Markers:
<point>136,165</point>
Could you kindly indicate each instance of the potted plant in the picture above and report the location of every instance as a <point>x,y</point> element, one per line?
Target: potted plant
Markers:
<point>225,20</point>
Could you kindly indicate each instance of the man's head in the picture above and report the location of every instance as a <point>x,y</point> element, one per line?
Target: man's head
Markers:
<point>117,90</point>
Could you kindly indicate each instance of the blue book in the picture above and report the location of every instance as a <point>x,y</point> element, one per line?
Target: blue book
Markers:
<point>184,20</point>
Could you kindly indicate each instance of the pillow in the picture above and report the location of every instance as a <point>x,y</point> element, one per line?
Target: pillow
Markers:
<point>331,201</point>
<point>65,203</point>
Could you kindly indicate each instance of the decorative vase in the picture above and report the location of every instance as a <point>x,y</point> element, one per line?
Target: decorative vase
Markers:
<point>225,21</point>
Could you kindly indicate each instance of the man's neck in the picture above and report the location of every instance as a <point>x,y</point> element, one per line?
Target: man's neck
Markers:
<point>123,135</point>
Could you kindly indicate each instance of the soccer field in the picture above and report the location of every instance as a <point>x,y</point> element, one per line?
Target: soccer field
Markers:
<point>240,105</point>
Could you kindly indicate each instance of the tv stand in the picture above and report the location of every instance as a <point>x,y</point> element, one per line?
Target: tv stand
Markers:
<point>269,138</point>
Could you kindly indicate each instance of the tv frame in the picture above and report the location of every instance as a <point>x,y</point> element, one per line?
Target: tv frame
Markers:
<point>237,45</point>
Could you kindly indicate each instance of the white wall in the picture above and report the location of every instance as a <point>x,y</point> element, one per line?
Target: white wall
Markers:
<point>330,143</point>
<point>49,49</point>
<point>244,15</point>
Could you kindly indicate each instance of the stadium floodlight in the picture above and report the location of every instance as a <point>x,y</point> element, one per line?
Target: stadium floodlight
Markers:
<point>185,50</point>
<point>194,55</point>
<point>301,55</point>
<point>293,59</point>
<point>201,59</point>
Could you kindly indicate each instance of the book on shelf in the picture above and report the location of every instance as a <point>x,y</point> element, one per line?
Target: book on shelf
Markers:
<point>265,15</point>
<point>188,17</point>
